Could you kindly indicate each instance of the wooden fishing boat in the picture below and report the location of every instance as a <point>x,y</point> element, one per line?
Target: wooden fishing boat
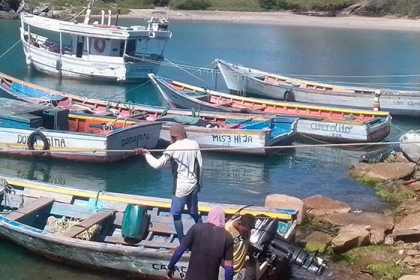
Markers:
<point>38,130</point>
<point>117,232</point>
<point>317,122</point>
<point>244,80</point>
<point>238,133</point>
<point>94,50</point>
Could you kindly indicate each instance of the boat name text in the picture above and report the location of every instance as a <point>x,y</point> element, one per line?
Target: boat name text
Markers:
<point>232,138</point>
<point>409,103</point>
<point>135,139</point>
<point>337,128</point>
<point>141,70</point>
<point>52,141</point>
<point>182,270</point>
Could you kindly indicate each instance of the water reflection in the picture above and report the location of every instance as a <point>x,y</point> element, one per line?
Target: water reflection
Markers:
<point>37,268</point>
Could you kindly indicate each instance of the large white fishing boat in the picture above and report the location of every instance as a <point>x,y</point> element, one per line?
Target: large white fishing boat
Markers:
<point>94,49</point>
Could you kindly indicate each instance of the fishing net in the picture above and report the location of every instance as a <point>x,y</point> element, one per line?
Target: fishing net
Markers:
<point>63,224</point>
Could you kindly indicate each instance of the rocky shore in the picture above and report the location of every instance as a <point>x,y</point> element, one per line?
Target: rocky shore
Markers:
<point>373,245</point>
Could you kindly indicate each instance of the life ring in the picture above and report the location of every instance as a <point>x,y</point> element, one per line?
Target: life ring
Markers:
<point>32,139</point>
<point>152,34</point>
<point>288,95</point>
<point>99,45</point>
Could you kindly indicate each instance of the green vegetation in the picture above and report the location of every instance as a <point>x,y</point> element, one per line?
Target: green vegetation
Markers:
<point>380,261</point>
<point>391,191</point>
<point>386,270</point>
<point>401,8</point>
<point>316,247</point>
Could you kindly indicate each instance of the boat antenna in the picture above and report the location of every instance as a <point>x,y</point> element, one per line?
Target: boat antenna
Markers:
<point>118,13</point>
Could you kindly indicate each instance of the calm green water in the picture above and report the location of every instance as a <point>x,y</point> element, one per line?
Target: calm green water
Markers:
<point>377,58</point>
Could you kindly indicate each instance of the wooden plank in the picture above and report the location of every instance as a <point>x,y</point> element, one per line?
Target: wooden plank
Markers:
<point>146,243</point>
<point>30,208</point>
<point>87,223</point>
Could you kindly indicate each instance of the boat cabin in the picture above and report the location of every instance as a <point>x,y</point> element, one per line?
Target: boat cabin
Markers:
<point>97,38</point>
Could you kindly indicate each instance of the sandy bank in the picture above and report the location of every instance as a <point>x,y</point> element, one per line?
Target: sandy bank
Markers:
<point>285,18</point>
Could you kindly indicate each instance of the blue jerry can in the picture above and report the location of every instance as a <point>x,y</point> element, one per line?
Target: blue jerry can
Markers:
<point>135,222</point>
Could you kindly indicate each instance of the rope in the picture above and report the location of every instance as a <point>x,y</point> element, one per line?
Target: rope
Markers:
<point>127,91</point>
<point>14,45</point>
<point>225,148</point>
<point>177,66</point>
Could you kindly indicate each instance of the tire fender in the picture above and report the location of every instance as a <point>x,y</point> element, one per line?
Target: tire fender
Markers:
<point>32,139</point>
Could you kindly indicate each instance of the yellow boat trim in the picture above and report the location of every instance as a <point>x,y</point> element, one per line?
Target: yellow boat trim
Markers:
<point>150,203</point>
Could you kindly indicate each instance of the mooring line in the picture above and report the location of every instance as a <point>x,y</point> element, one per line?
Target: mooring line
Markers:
<point>226,148</point>
<point>14,45</point>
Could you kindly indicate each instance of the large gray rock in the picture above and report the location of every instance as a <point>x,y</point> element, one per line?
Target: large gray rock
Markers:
<point>408,226</point>
<point>391,171</point>
<point>319,205</point>
<point>350,237</point>
<point>360,170</point>
<point>286,202</point>
<point>411,150</point>
<point>409,207</point>
<point>371,219</point>
<point>376,224</point>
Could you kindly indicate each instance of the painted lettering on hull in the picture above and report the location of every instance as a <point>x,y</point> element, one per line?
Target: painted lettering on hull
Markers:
<point>335,128</point>
<point>135,139</point>
<point>182,270</point>
<point>141,70</point>
<point>52,141</point>
<point>222,138</point>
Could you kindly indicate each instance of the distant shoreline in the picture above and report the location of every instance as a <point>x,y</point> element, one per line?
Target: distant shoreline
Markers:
<point>283,18</point>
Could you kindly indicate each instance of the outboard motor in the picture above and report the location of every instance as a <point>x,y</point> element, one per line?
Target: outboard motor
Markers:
<point>270,245</point>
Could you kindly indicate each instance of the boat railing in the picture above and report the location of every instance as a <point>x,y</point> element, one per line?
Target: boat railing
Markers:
<point>158,22</point>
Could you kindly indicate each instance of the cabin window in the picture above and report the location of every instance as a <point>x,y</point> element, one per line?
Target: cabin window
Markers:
<point>79,47</point>
<point>131,47</point>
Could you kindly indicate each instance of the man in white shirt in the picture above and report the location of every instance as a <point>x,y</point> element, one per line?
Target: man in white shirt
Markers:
<point>186,164</point>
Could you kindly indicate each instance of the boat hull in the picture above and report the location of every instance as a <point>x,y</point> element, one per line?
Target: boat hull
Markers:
<point>324,129</point>
<point>40,204</point>
<point>89,50</point>
<point>259,136</point>
<point>113,146</point>
<point>101,68</point>
<point>247,81</point>
<point>115,258</point>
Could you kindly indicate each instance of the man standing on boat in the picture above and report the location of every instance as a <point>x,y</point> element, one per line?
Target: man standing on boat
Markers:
<point>187,168</point>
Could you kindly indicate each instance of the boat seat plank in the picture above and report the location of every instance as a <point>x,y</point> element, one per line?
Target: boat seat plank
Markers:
<point>146,243</point>
<point>87,223</point>
<point>30,208</point>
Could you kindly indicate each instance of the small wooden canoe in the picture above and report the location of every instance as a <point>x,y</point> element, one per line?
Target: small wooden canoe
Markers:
<point>248,81</point>
<point>43,131</point>
<point>236,133</point>
<point>90,229</point>
<point>330,124</point>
